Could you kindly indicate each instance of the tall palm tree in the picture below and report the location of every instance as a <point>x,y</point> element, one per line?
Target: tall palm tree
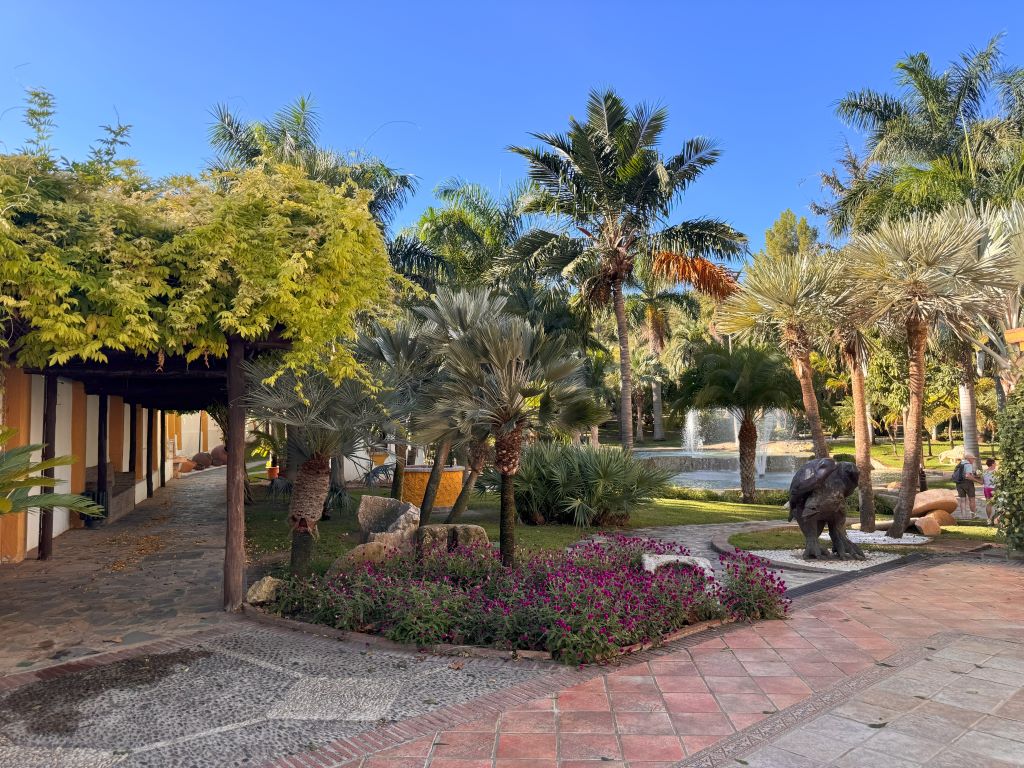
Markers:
<point>924,270</point>
<point>510,379</point>
<point>650,309</point>
<point>606,178</point>
<point>783,295</point>
<point>747,380</point>
<point>329,420</point>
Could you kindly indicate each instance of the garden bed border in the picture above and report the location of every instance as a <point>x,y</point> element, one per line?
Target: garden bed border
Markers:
<point>260,616</point>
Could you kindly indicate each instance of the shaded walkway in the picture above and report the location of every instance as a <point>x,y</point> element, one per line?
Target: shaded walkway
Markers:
<point>155,573</point>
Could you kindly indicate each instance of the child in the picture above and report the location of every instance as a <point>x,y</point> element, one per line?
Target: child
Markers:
<point>988,488</point>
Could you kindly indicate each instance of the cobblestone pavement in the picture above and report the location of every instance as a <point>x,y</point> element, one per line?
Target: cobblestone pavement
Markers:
<point>153,574</point>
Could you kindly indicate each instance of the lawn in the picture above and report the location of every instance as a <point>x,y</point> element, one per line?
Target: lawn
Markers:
<point>882,450</point>
<point>267,531</point>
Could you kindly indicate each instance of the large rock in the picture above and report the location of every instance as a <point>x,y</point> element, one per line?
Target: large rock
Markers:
<point>219,456</point>
<point>936,498</point>
<point>202,460</point>
<point>263,591</point>
<point>926,526</point>
<point>952,456</point>
<point>942,517</point>
<point>389,521</point>
<point>449,536</point>
<point>652,563</point>
<point>374,552</point>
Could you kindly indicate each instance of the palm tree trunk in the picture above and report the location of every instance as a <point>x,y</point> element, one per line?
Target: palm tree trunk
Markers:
<point>1000,393</point>
<point>656,411</point>
<point>462,502</point>
<point>625,374</point>
<point>917,339</point>
<point>595,436</point>
<point>748,458</point>
<point>507,524</point>
<point>434,481</point>
<point>803,370</point>
<point>312,483</point>
<point>639,433</point>
<point>398,479</point>
<point>861,442</point>
<point>969,412</point>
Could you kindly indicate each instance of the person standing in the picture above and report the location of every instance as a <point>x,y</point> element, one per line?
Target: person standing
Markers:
<point>988,489</point>
<point>964,478</point>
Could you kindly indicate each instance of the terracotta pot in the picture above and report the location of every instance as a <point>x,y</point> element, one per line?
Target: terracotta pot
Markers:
<point>272,472</point>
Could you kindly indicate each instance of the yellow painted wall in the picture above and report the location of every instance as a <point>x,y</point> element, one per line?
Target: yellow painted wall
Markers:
<point>140,443</point>
<point>204,431</point>
<point>17,415</point>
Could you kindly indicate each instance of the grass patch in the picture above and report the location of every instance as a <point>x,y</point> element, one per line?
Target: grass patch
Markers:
<point>267,530</point>
<point>777,538</point>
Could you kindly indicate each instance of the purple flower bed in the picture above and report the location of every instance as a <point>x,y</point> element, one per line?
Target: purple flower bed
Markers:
<point>582,605</point>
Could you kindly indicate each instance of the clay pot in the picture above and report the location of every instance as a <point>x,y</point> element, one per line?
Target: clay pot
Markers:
<point>273,472</point>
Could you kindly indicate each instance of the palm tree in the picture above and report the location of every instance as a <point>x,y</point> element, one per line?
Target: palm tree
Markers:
<point>650,310</point>
<point>916,273</point>
<point>606,178</point>
<point>328,419</point>
<point>508,378</point>
<point>746,380</point>
<point>784,295</point>
<point>19,474</point>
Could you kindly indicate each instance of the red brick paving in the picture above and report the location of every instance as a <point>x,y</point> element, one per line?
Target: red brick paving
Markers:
<point>652,714</point>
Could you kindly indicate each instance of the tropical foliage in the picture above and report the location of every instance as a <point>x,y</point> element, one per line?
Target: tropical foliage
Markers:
<point>20,474</point>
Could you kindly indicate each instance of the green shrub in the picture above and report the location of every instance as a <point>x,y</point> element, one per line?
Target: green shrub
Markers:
<point>845,457</point>
<point>584,485</point>
<point>1009,499</point>
<point>883,506</point>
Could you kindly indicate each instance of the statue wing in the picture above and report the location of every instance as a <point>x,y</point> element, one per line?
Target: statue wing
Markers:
<point>805,481</point>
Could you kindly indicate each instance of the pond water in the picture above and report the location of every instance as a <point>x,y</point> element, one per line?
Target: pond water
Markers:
<point>719,470</point>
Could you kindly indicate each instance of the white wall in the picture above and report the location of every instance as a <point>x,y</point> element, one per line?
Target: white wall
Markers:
<point>92,425</point>
<point>62,447</point>
<point>36,436</point>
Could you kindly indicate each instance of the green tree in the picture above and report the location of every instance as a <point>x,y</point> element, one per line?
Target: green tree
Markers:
<point>747,381</point>
<point>606,178</point>
<point>918,273</point>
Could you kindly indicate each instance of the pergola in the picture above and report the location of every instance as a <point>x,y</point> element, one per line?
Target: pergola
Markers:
<point>168,383</point>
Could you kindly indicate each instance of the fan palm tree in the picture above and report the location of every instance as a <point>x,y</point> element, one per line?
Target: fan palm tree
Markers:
<point>19,474</point>
<point>783,294</point>
<point>746,380</point>
<point>916,273</point>
<point>328,419</point>
<point>606,178</point>
<point>508,378</point>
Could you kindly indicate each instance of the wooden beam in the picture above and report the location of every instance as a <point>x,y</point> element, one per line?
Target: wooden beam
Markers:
<point>234,537</point>
<point>150,440</point>
<point>163,448</point>
<point>102,453</point>
<point>45,549</point>
<point>133,437</point>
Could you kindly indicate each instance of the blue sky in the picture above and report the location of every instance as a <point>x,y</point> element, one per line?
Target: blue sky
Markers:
<point>439,89</point>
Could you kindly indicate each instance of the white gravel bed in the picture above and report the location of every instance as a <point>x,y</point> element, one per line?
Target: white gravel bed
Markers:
<point>796,557</point>
<point>881,537</point>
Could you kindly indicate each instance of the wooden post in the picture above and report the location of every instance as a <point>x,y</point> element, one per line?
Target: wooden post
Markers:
<point>234,540</point>
<point>45,549</point>
<point>101,456</point>
<point>133,433</point>
<point>150,429</point>
<point>163,448</point>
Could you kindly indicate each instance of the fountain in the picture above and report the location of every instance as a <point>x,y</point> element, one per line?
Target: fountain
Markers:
<point>692,440</point>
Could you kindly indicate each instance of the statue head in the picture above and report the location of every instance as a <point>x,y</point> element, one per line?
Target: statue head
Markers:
<point>848,472</point>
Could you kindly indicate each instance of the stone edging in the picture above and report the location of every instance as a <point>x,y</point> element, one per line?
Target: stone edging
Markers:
<point>730,750</point>
<point>467,651</point>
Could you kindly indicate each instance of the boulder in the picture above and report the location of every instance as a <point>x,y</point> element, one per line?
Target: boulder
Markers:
<point>893,486</point>
<point>936,498</point>
<point>652,563</point>
<point>389,521</point>
<point>926,526</point>
<point>952,456</point>
<point>219,456</point>
<point>202,460</point>
<point>449,536</point>
<point>374,552</point>
<point>263,591</point>
<point>943,517</point>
